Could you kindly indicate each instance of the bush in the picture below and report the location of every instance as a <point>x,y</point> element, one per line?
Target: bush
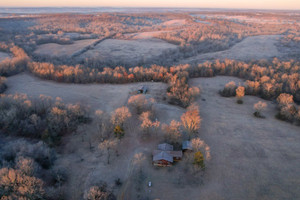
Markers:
<point>199,160</point>
<point>119,131</point>
<point>240,101</point>
<point>258,114</point>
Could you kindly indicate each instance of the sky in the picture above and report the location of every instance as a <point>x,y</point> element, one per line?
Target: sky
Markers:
<point>246,4</point>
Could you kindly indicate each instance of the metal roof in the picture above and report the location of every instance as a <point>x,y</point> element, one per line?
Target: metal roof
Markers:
<point>163,156</point>
<point>187,145</point>
<point>165,147</point>
<point>176,154</point>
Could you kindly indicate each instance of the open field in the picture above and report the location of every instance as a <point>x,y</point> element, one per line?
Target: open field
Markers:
<point>175,22</point>
<point>251,48</point>
<point>3,56</point>
<point>58,50</point>
<point>116,50</point>
<point>263,159</point>
<point>88,94</point>
<point>247,19</point>
<point>143,35</point>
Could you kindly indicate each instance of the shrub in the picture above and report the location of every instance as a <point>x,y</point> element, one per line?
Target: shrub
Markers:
<point>199,159</point>
<point>119,131</point>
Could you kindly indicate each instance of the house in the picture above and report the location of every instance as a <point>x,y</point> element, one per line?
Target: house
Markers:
<point>165,156</point>
<point>176,155</point>
<point>165,147</point>
<point>143,90</point>
<point>187,146</point>
<point>162,159</point>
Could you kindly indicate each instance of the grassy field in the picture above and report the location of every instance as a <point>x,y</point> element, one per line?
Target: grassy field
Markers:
<point>117,50</point>
<point>251,48</point>
<point>58,50</point>
<point>262,159</point>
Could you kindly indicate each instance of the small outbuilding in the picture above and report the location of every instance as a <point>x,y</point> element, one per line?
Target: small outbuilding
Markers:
<point>187,146</point>
<point>143,90</point>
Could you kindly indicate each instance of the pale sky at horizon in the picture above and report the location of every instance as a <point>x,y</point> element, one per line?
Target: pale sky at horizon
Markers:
<point>251,4</point>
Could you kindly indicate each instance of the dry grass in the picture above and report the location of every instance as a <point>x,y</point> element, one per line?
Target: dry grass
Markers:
<point>252,158</point>
<point>251,48</point>
<point>128,50</point>
<point>58,50</point>
<point>144,35</point>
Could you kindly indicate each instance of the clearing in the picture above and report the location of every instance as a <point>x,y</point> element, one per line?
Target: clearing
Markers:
<point>127,51</point>
<point>261,155</point>
<point>251,48</point>
<point>144,35</point>
<point>175,22</point>
<point>58,50</point>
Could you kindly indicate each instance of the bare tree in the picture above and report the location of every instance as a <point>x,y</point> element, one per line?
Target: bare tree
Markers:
<point>104,126</point>
<point>240,93</point>
<point>191,120</point>
<point>108,146</point>
<point>16,185</point>
<point>120,115</point>
<point>172,132</point>
<point>147,123</point>
<point>285,99</point>
<point>27,166</point>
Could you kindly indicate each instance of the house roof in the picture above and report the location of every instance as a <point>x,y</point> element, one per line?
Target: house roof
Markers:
<point>187,145</point>
<point>162,155</point>
<point>176,154</point>
<point>165,147</point>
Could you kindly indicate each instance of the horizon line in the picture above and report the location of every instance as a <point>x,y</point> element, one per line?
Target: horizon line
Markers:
<point>153,7</point>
